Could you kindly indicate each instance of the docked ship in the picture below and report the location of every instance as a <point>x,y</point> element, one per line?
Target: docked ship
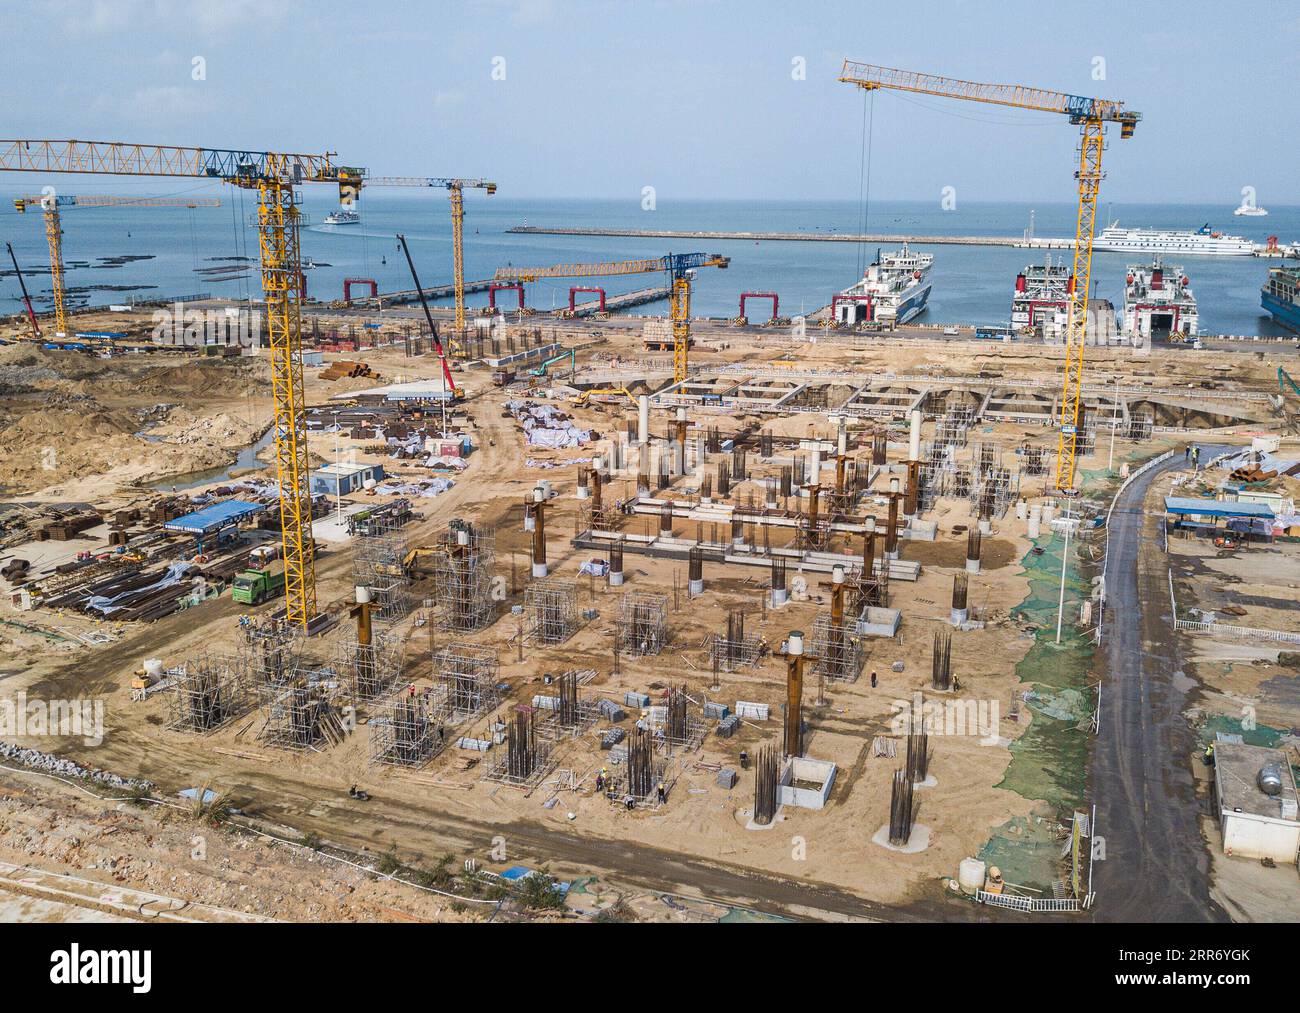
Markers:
<point>1281,296</point>
<point>1158,301</point>
<point>343,216</point>
<point>1042,293</point>
<point>1204,242</point>
<point>893,290</point>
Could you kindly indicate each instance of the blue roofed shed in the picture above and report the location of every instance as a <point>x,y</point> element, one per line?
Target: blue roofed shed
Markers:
<point>212,520</point>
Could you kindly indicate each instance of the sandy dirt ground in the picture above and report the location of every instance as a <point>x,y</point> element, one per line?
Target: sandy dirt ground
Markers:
<point>698,843</point>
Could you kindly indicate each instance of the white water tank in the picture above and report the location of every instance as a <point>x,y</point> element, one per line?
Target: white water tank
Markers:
<point>970,875</point>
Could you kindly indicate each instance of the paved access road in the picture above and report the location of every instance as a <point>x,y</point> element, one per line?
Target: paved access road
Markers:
<point>1156,865</point>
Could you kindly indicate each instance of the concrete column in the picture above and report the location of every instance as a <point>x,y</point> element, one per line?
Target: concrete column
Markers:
<point>914,447</point>
<point>1035,521</point>
<point>643,420</point>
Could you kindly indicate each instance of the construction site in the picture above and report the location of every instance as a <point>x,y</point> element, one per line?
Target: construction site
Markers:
<point>648,597</point>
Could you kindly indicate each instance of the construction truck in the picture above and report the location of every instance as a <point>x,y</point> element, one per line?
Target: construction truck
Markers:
<point>254,586</point>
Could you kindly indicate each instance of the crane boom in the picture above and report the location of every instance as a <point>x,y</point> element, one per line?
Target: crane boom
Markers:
<point>1091,115</point>
<point>674,264</point>
<point>274,175</point>
<point>452,389</point>
<point>110,201</point>
<point>455,188</point>
<point>868,76</point>
<point>678,267</point>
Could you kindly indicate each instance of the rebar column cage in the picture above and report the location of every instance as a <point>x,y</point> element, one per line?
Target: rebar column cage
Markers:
<point>469,676</point>
<point>210,691</point>
<point>550,611</point>
<point>463,562</point>
<point>407,732</point>
<point>837,650</point>
<point>642,623</point>
<point>371,670</point>
<point>527,759</point>
<point>735,649</point>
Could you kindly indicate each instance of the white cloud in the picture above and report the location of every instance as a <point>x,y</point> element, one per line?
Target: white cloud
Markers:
<point>162,102</point>
<point>109,17</point>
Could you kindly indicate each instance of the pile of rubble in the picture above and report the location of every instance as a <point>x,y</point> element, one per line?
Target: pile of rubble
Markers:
<point>45,763</point>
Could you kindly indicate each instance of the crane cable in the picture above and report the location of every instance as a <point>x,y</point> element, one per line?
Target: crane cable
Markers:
<point>864,173</point>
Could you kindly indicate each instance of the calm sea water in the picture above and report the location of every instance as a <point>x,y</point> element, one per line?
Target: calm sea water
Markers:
<point>971,284</point>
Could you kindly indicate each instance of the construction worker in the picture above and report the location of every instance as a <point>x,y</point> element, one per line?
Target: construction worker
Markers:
<point>1209,755</point>
<point>744,759</point>
<point>600,782</point>
<point>663,793</point>
<point>873,680</point>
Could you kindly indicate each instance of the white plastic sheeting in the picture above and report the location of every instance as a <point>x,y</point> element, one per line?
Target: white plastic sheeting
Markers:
<point>547,426</point>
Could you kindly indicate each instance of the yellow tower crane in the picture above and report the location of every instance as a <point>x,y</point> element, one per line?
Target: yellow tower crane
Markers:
<point>455,189</point>
<point>680,268</point>
<point>275,178</point>
<point>1091,115</point>
<point>50,203</point>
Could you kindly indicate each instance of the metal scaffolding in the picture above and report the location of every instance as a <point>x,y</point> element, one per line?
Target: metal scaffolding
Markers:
<point>379,564</point>
<point>642,623</point>
<point>208,692</point>
<point>308,710</point>
<point>408,732</point>
<point>733,650</point>
<point>469,678</point>
<point>462,577</point>
<point>550,611</point>
<point>371,670</point>
<point>836,649</point>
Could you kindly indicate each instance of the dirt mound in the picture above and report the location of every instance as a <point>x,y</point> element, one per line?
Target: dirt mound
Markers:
<point>204,378</point>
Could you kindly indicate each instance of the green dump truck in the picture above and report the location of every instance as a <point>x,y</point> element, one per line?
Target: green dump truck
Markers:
<point>252,587</point>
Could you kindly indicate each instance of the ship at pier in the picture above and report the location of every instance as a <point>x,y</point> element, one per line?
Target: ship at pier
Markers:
<point>893,290</point>
<point>1158,302</point>
<point>1042,296</point>
<point>1281,296</point>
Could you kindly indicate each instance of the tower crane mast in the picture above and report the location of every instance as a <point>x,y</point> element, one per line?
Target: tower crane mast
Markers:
<point>679,267</point>
<point>274,176</point>
<point>455,188</point>
<point>50,204</point>
<point>1091,115</point>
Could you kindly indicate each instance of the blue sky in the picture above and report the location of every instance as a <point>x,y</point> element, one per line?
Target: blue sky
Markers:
<point>696,99</point>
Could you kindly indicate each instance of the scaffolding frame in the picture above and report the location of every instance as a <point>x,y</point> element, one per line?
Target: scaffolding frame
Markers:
<point>837,650</point>
<point>734,650</point>
<point>462,578</point>
<point>468,677</point>
<point>208,693</point>
<point>550,611</point>
<point>379,564</point>
<point>408,732</point>
<point>642,623</point>
<point>371,670</point>
<point>304,712</point>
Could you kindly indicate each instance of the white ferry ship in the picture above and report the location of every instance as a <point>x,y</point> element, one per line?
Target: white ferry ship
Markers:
<point>893,290</point>
<point>343,216</point>
<point>1042,293</point>
<point>1158,301</point>
<point>1204,242</point>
